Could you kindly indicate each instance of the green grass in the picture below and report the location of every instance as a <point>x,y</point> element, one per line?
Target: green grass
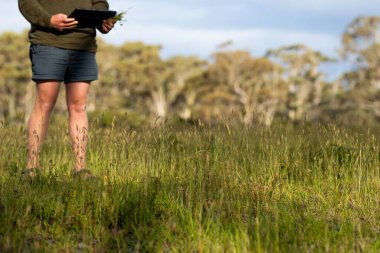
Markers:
<point>190,188</point>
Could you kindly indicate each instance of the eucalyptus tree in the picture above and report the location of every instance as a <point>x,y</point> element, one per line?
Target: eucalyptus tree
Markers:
<point>305,81</point>
<point>15,74</point>
<point>255,83</point>
<point>132,73</point>
<point>361,46</point>
<point>180,88</point>
<point>110,92</point>
<point>361,41</point>
<point>148,83</point>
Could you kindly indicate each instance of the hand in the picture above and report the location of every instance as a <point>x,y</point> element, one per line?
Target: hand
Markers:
<point>108,25</point>
<point>62,22</point>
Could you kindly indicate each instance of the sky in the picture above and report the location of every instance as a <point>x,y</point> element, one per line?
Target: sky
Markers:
<point>197,27</point>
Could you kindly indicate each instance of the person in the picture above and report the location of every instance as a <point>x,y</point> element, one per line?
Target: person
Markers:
<point>61,52</point>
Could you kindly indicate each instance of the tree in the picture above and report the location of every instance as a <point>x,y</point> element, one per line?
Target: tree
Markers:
<point>361,45</point>
<point>111,90</point>
<point>303,77</point>
<point>361,41</point>
<point>15,74</point>
<point>144,73</point>
<point>254,82</point>
<point>180,86</point>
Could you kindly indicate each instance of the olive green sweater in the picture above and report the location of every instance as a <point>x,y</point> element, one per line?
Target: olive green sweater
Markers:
<point>39,13</point>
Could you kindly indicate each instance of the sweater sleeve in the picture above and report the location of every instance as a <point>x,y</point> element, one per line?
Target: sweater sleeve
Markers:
<point>100,4</point>
<point>34,13</point>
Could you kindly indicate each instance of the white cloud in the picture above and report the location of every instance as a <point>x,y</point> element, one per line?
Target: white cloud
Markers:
<point>158,11</point>
<point>162,22</point>
<point>329,6</point>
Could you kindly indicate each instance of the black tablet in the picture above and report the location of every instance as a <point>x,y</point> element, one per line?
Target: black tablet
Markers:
<point>89,18</point>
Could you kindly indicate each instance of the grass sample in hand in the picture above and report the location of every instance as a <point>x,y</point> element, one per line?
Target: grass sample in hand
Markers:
<point>120,17</point>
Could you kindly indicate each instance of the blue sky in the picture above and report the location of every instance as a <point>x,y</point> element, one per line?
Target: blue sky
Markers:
<point>199,26</point>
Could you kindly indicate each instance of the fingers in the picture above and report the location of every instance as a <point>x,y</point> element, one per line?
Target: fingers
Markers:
<point>62,22</point>
<point>68,24</point>
<point>68,20</point>
<point>105,29</point>
<point>108,25</point>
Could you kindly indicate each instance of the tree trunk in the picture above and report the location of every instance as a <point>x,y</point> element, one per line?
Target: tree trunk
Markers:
<point>2,116</point>
<point>159,105</point>
<point>187,112</point>
<point>318,92</point>
<point>249,112</point>
<point>11,106</point>
<point>267,111</point>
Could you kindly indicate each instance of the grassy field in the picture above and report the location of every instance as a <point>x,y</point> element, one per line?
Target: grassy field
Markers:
<point>192,188</point>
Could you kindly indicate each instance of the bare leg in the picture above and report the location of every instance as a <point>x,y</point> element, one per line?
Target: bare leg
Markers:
<point>76,99</point>
<point>46,97</point>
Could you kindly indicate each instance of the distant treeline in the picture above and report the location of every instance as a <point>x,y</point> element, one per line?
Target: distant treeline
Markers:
<point>287,83</point>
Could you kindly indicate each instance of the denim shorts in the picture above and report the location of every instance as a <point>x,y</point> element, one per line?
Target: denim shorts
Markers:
<point>57,64</point>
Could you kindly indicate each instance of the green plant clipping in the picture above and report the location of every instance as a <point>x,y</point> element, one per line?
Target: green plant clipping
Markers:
<point>120,16</point>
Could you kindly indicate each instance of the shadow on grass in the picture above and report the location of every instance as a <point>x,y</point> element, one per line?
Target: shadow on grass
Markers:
<point>146,215</point>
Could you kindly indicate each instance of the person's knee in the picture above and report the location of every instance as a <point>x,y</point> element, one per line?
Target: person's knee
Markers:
<point>77,108</point>
<point>45,106</point>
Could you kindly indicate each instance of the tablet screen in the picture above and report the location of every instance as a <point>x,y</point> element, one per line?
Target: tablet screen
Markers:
<point>89,18</point>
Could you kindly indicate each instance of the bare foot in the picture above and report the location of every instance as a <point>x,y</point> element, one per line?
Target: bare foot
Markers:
<point>84,174</point>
